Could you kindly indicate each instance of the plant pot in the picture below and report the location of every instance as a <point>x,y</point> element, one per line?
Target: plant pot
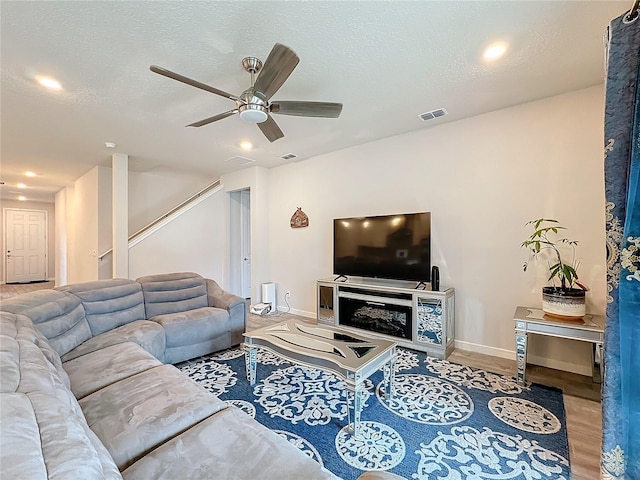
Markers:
<point>563,302</point>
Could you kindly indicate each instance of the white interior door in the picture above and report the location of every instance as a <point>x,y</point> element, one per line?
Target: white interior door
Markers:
<point>240,242</point>
<point>245,229</point>
<point>25,245</point>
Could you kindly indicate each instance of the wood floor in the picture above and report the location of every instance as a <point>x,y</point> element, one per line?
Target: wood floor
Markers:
<point>581,396</point>
<point>11,290</point>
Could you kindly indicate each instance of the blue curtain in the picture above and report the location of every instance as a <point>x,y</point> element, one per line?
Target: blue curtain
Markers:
<point>621,389</point>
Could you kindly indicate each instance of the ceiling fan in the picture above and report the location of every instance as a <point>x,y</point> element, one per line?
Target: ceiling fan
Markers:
<point>254,105</point>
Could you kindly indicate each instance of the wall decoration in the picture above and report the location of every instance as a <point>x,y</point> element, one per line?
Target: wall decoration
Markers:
<point>299,219</point>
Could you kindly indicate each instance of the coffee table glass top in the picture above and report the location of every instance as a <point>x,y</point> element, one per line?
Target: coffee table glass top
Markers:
<point>344,348</point>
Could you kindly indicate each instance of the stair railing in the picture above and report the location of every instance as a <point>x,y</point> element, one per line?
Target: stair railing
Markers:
<point>148,229</point>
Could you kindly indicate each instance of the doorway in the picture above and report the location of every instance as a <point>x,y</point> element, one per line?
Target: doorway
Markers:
<point>240,242</point>
<point>26,245</point>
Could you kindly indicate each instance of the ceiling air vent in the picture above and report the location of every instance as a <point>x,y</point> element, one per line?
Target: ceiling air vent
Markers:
<point>238,161</point>
<point>440,112</point>
<point>289,156</point>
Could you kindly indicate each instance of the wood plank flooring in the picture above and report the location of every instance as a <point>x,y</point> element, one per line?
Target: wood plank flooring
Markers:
<point>581,396</point>
<point>13,289</point>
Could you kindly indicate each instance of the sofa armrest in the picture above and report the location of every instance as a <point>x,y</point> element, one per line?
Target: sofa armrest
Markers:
<point>235,305</point>
<point>219,298</point>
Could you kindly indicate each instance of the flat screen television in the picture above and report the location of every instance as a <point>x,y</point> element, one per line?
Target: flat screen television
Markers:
<point>396,247</point>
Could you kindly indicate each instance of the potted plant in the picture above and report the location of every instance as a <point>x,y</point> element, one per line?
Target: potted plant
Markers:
<point>563,300</point>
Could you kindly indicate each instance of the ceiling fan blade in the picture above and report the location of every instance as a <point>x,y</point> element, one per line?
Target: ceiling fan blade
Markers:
<point>307,109</point>
<point>271,129</point>
<point>215,118</point>
<point>277,68</point>
<point>193,83</point>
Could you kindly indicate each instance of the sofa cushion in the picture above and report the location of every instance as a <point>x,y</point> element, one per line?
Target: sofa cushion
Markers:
<point>8,324</point>
<point>135,415</point>
<point>229,445</point>
<point>96,370</point>
<point>173,292</point>
<point>38,375</point>
<point>20,448</point>
<point>109,467</point>
<point>109,303</point>
<point>58,315</point>
<point>14,328</point>
<point>42,439</point>
<point>193,326</point>
<point>28,332</point>
<point>149,335</point>
<point>175,355</point>
<point>68,451</point>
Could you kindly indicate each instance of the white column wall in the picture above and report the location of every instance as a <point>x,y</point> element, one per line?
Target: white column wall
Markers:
<point>120,215</point>
<point>85,228</point>
<point>105,221</point>
<point>482,178</point>
<point>71,234</point>
<point>61,238</point>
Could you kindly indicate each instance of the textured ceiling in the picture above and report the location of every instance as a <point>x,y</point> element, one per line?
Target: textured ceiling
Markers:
<point>385,61</point>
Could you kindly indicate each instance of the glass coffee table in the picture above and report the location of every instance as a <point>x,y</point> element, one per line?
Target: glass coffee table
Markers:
<point>352,357</point>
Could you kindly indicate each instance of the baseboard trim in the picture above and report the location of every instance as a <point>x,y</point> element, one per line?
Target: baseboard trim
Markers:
<point>295,311</point>
<point>485,350</point>
<point>531,359</point>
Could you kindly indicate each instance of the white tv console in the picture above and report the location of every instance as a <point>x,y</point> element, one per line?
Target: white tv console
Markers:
<point>420,319</point>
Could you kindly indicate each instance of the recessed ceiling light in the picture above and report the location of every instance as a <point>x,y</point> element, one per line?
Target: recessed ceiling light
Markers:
<point>494,51</point>
<point>21,185</point>
<point>22,198</point>
<point>30,174</point>
<point>246,146</point>
<point>49,82</point>
<point>110,145</point>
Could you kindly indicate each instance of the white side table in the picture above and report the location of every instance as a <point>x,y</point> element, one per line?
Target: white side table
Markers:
<point>533,320</point>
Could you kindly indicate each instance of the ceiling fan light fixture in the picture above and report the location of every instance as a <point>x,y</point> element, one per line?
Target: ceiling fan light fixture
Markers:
<point>253,113</point>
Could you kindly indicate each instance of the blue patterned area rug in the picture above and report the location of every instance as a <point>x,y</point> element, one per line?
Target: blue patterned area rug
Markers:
<point>446,421</point>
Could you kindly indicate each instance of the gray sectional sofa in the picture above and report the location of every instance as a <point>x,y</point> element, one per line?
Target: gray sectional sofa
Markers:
<point>87,390</point>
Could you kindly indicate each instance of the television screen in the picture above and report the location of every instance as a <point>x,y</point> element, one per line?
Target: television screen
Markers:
<point>396,247</point>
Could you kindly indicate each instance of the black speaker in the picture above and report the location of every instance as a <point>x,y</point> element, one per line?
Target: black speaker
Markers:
<point>435,278</point>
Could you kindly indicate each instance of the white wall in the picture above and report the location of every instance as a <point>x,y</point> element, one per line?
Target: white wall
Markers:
<point>91,224</point>
<point>482,178</point>
<point>105,221</point>
<point>85,209</point>
<point>190,243</point>
<point>194,242</point>
<point>155,192</point>
<point>61,240</point>
<point>51,221</point>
